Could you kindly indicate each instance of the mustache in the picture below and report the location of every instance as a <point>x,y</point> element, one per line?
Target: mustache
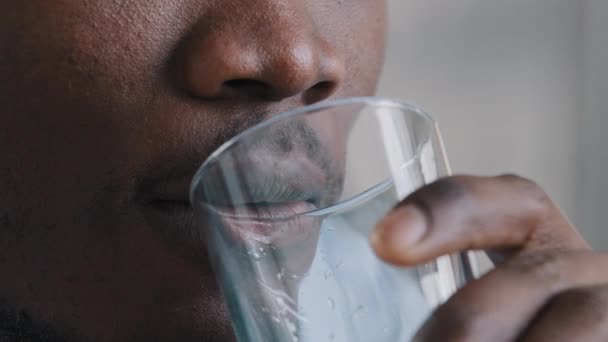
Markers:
<point>295,135</point>
<point>285,162</point>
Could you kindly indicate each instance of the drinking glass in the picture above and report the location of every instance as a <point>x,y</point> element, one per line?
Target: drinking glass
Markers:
<point>288,206</point>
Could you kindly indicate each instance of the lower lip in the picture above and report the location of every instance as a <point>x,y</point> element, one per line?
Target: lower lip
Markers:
<point>279,225</point>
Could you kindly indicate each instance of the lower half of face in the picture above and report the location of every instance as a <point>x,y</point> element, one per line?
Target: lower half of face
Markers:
<point>107,110</point>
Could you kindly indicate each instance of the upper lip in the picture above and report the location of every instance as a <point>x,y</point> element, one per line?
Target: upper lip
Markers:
<point>265,179</point>
<point>264,187</point>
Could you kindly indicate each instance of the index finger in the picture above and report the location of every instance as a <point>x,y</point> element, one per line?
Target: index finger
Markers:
<point>505,213</point>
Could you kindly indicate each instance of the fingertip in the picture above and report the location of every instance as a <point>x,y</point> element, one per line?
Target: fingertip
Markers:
<point>395,237</point>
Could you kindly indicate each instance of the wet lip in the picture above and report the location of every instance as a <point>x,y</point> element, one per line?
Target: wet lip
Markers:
<point>264,211</point>
<point>279,224</point>
<point>273,207</point>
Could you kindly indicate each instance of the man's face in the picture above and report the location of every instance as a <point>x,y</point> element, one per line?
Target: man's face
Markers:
<point>107,109</point>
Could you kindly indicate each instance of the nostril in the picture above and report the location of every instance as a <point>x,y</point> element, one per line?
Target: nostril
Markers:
<point>244,84</point>
<point>247,87</point>
<point>257,88</point>
<point>325,86</point>
<point>319,92</point>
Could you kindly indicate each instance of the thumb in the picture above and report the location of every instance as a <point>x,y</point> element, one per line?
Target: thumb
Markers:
<point>505,213</point>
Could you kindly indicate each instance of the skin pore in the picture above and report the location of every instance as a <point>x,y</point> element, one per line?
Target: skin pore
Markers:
<point>109,106</point>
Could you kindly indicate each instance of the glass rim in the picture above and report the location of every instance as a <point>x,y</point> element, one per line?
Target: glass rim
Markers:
<point>379,187</point>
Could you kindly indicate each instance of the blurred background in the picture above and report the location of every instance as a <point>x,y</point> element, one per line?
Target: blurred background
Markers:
<point>517,86</point>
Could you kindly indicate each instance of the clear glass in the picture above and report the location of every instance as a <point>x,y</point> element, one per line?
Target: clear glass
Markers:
<point>288,207</point>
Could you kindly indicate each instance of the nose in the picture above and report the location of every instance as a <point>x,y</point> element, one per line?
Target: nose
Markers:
<point>268,54</point>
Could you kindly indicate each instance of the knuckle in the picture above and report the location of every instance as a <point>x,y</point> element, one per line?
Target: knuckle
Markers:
<point>524,184</point>
<point>536,200</point>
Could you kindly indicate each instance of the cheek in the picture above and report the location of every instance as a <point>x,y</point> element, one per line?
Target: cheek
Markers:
<point>77,80</point>
<point>77,77</point>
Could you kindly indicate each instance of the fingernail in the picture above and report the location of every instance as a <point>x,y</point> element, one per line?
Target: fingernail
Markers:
<point>399,231</point>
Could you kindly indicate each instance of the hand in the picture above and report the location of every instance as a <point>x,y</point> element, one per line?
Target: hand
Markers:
<point>548,284</point>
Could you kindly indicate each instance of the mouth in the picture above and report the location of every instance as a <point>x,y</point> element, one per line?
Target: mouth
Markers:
<point>265,196</point>
<point>269,209</point>
<point>271,213</point>
<point>258,192</point>
<point>272,205</point>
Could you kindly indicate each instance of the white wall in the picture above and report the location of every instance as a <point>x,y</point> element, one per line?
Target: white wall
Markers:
<point>504,79</point>
<point>593,204</point>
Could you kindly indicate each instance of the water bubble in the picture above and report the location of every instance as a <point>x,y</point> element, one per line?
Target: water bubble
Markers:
<point>359,312</point>
<point>331,302</point>
<point>280,301</point>
<point>293,330</point>
<point>291,327</point>
<point>340,264</point>
<point>254,254</point>
<point>276,319</point>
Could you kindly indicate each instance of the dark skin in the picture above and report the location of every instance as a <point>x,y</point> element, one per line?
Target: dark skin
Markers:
<point>108,107</point>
